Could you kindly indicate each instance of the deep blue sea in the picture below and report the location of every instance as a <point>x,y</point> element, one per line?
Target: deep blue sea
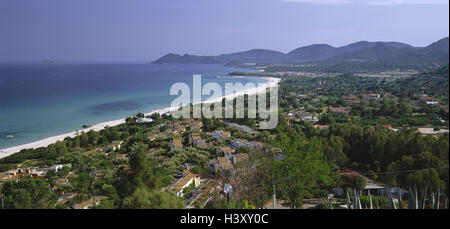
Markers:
<point>43,100</point>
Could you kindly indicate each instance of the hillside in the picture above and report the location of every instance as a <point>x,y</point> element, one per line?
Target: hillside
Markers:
<point>361,54</point>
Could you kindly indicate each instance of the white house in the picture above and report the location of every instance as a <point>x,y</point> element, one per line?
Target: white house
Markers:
<point>56,168</point>
<point>179,186</point>
<point>144,120</point>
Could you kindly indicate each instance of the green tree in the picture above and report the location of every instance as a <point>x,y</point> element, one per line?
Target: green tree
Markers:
<point>27,193</point>
<point>142,198</point>
<point>302,169</point>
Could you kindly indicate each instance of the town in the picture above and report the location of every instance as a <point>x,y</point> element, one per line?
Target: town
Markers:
<point>350,133</point>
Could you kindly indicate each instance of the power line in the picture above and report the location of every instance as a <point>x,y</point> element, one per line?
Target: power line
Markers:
<point>401,171</point>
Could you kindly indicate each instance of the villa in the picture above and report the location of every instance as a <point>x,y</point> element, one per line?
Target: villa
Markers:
<point>179,186</point>
<point>176,144</point>
<point>218,134</point>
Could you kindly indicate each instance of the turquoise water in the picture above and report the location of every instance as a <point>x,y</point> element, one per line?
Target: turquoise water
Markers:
<point>44,100</point>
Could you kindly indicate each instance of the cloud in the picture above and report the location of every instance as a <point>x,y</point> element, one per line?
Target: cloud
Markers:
<point>373,2</point>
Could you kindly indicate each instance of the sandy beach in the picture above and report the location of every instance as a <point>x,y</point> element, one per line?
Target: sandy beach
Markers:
<point>97,127</point>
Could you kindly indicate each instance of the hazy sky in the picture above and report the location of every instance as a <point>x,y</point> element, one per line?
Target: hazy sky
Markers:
<point>142,30</point>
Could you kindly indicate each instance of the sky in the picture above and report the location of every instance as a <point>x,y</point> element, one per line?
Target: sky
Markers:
<point>143,30</point>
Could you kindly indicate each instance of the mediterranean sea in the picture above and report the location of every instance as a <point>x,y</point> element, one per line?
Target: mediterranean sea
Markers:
<point>43,100</point>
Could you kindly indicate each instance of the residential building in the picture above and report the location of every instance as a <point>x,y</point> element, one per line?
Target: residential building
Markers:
<point>340,110</point>
<point>179,186</point>
<point>198,140</point>
<point>151,136</point>
<point>56,168</point>
<point>197,125</point>
<point>144,120</point>
<point>219,134</point>
<point>227,151</point>
<point>121,156</point>
<point>236,143</point>
<point>176,144</point>
<point>372,96</point>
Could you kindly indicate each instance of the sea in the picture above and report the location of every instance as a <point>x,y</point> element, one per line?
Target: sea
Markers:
<point>43,100</point>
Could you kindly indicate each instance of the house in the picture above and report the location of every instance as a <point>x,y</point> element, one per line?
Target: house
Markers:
<point>432,131</point>
<point>349,97</point>
<point>321,127</point>
<point>179,130</point>
<point>304,116</point>
<point>221,164</point>
<point>115,145</point>
<point>188,120</point>
<point>197,125</point>
<point>151,136</point>
<point>218,134</point>
<point>422,95</point>
<point>90,152</point>
<point>89,203</point>
<point>374,189</point>
<point>12,172</point>
<point>179,186</point>
<point>144,120</point>
<point>176,144</point>
<point>56,168</point>
<point>99,176</point>
<point>371,96</point>
<point>37,173</point>
<point>198,141</point>
<point>121,156</point>
<point>224,165</point>
<point>227,151</point>
<point>258,146</point>
<point>340,110</point>
<point>62,181</point>
<point>236,143</point>
<point>186,172</point>
<point>354,103</point>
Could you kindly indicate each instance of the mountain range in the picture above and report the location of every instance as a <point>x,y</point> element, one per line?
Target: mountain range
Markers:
<point>397,53</point>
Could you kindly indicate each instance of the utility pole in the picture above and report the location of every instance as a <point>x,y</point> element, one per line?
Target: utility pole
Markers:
<point>274,197</point>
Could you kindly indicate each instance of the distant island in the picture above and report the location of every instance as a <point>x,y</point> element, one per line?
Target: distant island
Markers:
<point>392,54</point>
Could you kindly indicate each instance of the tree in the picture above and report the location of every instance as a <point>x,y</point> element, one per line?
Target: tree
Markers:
<point>27,193</point>
<point>142,198</point>
<point>334,151</point>
<point>352,181</point>
<point>51,178</point>
<point>61,148</point>
<point>302,169</point>
<point>405,108</point>
<point>84,140</point>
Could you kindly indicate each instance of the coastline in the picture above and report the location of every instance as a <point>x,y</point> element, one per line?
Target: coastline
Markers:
<point>271,82</point>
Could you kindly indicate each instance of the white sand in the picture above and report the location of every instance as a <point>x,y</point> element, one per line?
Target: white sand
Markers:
<point>97,127</point>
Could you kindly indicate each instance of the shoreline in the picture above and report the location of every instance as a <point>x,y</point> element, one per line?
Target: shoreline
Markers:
<point>271,82</point>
